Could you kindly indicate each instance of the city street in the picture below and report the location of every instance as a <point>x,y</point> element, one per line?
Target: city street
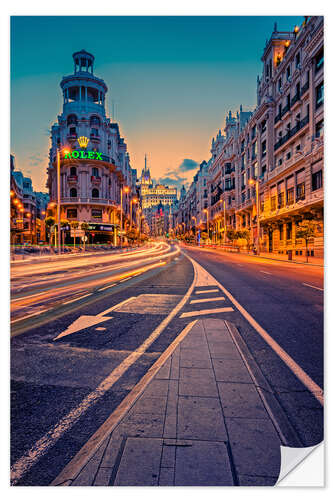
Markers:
<point>86,331</point>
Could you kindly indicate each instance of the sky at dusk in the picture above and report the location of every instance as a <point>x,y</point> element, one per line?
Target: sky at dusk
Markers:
<point>171,82</point>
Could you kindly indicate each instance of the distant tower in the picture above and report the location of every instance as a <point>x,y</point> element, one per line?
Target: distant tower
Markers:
<point>182,193</point>
<point>145,175</point>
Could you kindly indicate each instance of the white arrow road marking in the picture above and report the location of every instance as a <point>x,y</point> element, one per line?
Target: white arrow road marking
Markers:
<point>86,321</point>
<point>81,323</point>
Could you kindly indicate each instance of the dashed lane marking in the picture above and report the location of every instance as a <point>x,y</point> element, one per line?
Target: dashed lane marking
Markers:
<point>312,286</point>
<point>206,311</point>
<point>77,298</point>
<point>265,272</point>
<point>105,287</point>
<point>210,299</point>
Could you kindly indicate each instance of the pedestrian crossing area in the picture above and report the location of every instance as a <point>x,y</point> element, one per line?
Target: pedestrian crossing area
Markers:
<point>208,304</point>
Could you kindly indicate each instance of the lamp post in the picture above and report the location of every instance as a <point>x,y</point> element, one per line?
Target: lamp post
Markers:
<point>195,227</point>
<point>206,211</point>
<point>134,200</point>
<point>256,182</point>
<point>125,190</point>
<point>58,197</point>
<point>224,223</point>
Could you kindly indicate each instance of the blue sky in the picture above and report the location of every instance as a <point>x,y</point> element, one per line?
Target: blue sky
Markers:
<point>171,82</point>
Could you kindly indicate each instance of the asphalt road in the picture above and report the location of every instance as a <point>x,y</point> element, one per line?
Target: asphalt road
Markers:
<point>60,356</point>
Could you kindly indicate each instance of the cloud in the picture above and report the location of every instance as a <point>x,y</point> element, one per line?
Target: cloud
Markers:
<point>36,159</point>
<point>172,178</point>
<point>188,164</point>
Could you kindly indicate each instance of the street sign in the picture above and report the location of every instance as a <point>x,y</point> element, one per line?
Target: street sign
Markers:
<point>78,233</point>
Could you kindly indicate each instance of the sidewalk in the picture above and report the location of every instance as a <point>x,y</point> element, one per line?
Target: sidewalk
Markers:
<point>313,261</point>
<point>200,419</point>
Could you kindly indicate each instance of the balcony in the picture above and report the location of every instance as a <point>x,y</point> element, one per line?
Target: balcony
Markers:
<point>95,138</point>
<point>291,132</point>
<point>91,201</point>
<point>72,179</point>
<point>72,137</point>
<point>95,179</point>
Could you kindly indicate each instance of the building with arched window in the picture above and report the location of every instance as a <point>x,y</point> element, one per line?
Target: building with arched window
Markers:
<point>94,160</point>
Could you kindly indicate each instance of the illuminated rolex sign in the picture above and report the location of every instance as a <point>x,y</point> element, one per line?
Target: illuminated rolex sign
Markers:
<point>85,155</point>
<point>89,155</point>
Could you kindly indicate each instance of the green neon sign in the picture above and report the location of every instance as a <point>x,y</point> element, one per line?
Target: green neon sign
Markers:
<point>89,155</point>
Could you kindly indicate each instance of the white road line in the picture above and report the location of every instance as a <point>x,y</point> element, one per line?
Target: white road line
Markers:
<point>210,299</point>
<point>265,272</point>
<point>206,311</point>
<point>77,298</point>
<point>29,315</point>
<point>283,355</point>
<point>125,279</point>
<point>207,291</point>
<point>23,464</point>
<point>311,286</point>
<point>105,287</point>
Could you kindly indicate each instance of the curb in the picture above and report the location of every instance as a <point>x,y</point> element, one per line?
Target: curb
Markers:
<point>286,431</point>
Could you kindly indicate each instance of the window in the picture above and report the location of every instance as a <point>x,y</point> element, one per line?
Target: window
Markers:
<point>95,193</point>
<point>317,180</point>
<point>281,231</point>
<point>71,213</point>
<point>319,95</point>
<point>72,131</point>
<point>73,170</point>
<point>298,59</point>
<point>288,72</point>
<point>263,126</point>
<point>280,200</point>
<point>280,84</point>
<point>289,230</point>
<point>280,161</point>
<point>253,132</point>
<point>254,150</point>
<point>300,191</point>
<point>71,120</point>
<point>288,155</point>
<point>95,172</point>
<point>290,196</point>
<point>263,169</point>
<point>73,193</point>
<point>263,149</point>
<point>319,59</point>
<point>320,128</point>
<point>94,120</point>
<point>273,203</point>
<point>94,132</point>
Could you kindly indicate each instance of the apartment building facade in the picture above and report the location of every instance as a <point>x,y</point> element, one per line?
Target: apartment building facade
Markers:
<point>277,148</point>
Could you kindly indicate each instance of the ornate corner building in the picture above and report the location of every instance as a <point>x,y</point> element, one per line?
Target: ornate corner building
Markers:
<point>94,162</point>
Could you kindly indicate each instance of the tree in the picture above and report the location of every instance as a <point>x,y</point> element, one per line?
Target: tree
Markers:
<point>74,225</point>
<point>232,235</point>
<point>306,230</point>
<point>49,222</point>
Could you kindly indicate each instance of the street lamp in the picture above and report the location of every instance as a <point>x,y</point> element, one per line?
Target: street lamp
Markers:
<point>124,189</point>
<point>134,200</point>
<point>58,196</point>
<point>206,211</point>
<point>256,182</point>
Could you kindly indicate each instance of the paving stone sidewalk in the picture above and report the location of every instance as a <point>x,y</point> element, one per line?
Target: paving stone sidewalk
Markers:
<point>199,422</point>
